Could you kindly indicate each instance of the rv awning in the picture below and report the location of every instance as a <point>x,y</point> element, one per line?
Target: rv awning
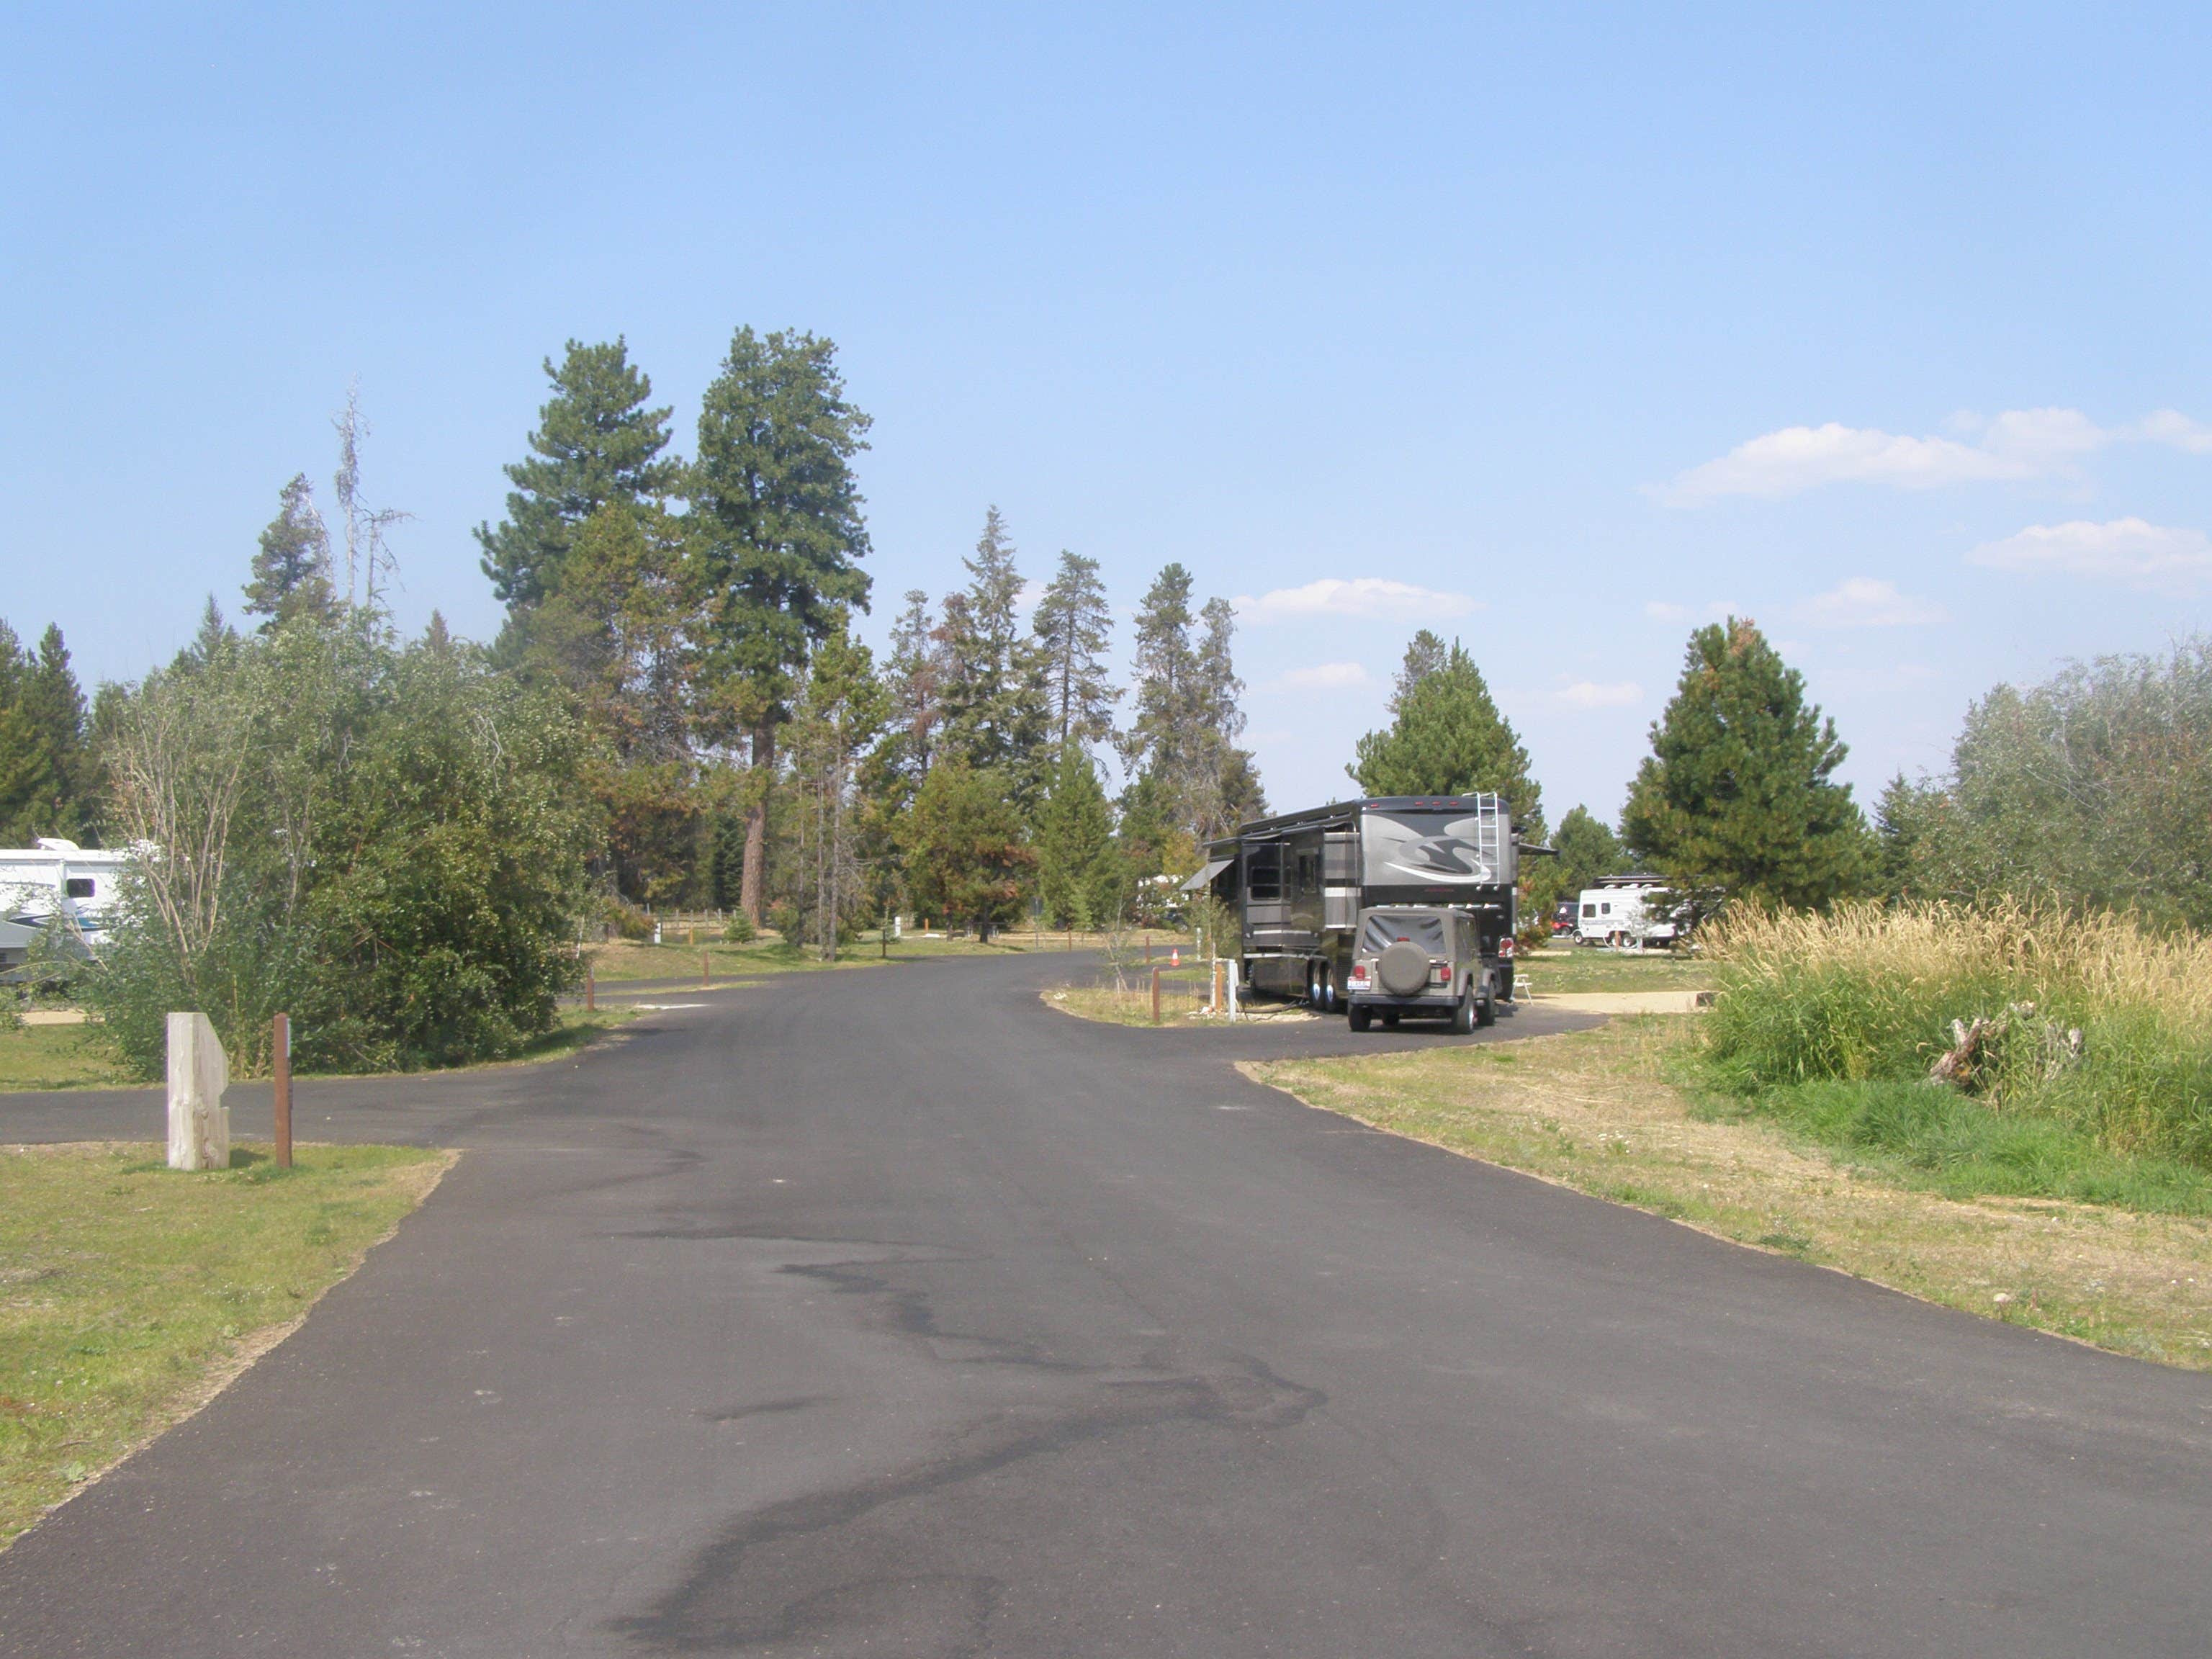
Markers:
<point>1204,879</point>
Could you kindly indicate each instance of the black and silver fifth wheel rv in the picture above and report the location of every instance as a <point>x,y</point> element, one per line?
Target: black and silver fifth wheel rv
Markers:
<point>1308,889</point>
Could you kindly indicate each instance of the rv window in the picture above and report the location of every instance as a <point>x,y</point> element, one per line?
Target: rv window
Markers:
<point>76,887</point>
<point>1263,872</point>
<point>1605,909</point>
<point>1590,909</point>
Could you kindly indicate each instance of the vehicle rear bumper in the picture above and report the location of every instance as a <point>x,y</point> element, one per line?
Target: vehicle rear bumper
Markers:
<point>1439,1001</point>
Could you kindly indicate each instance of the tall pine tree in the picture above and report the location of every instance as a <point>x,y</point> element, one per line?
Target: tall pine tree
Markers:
<point>777,511</point>
<point>44,766</point>
<point>915,675</point>
<point>1739,794</point>
<point>597,442</point>
<point>292,572</point>
<point>1182,742</point>
<point>1448,739</point>
<point>995,709</point>
<point>1073,627</point>
<point>1076,871</point>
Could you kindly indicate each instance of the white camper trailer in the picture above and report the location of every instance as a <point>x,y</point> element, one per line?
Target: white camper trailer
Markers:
<point>1626,911</point>
<point>59,880</point>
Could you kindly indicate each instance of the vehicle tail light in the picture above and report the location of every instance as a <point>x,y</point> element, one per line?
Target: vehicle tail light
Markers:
<point>1438,973</point>
<point>1358,979</point>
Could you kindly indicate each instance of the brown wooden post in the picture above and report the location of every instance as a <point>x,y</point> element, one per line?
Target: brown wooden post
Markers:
<point>279,1038</point>
<point>1155,996</point>
<point>705,977</point>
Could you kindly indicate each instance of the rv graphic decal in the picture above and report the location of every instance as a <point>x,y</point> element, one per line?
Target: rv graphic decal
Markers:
<point>1441,859</point>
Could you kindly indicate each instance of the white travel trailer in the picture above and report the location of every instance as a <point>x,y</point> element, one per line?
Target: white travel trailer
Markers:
<point>57,879</point>
<point>1624,910</point>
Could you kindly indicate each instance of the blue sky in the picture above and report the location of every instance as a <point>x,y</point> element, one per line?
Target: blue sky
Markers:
<point>1559,332</point>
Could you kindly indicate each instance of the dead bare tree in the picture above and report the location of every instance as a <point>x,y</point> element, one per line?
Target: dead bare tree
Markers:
<point>368,550</point>
<point>178,762</point>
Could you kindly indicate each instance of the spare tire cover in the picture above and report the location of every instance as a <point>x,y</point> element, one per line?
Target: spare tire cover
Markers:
<point>1404,970</point>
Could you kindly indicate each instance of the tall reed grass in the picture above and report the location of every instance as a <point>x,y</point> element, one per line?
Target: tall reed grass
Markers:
<point>1867,995</point>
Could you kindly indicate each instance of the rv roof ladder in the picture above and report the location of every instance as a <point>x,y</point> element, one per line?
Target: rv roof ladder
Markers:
<point>1490,833</point>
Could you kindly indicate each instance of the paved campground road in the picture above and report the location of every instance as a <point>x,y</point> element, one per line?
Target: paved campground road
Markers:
<point>892,1313</point>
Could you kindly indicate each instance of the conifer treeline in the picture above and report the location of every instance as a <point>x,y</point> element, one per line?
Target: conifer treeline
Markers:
<point>755,754</point>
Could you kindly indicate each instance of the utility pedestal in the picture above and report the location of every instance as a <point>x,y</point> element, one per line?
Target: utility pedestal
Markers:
<point>199,1123</point>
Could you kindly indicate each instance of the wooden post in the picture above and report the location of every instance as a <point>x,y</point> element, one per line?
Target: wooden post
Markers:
<point>1155,996</point>
<point>591,992</point>
<point>1148,947</point>
<point>280,1038</point>
<point>705,977</point>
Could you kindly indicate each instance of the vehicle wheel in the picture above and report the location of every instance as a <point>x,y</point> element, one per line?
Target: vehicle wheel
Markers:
<point>1329,1001</point>
<point>1463,1020</point>
<point>1362,1018</point>
<point>1313,986</point>
<point>1485,1011</point>
<point>1389,1019</point>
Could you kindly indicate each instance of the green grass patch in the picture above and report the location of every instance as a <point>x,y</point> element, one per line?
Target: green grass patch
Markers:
<point>1572,970</point>
<point>576,1030</point>
<point>1945,1142</point>
<point>128,1292</point>
<point>59,1057</point>
<point>37,1058</point>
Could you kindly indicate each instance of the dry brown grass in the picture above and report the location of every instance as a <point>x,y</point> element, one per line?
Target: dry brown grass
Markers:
<point>2103,958</point>
<point>1594,1111</point>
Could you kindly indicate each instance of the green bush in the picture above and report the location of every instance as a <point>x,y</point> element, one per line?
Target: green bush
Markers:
<point>386,843</point>
<point>739,929</point>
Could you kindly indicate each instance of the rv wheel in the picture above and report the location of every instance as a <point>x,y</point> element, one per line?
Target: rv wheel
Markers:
<point>1325,979</point>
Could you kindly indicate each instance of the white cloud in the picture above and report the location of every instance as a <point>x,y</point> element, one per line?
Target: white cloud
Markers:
<point>2129,551</point>
<point>2044,438</point>
<point>1863,602</point>
<point>1371,599</point>
<point>1323,676</point>
<point>1800,457</point>
<point>2172,426</point>
<point>1589,694</point>
<point>2019,443</point>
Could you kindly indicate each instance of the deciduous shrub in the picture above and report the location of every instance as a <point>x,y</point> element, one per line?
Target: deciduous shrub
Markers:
<point>385,843</point>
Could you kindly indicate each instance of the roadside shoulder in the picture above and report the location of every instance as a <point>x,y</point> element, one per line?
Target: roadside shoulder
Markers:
<point>1594,1111</point>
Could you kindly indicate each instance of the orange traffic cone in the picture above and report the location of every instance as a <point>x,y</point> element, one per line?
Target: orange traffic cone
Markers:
<point>1175,957</point>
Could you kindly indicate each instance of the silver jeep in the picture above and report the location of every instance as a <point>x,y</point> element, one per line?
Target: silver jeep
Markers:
<point>1421,960</point>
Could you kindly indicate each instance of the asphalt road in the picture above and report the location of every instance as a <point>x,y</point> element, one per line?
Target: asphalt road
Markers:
<point>895,1313</point>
